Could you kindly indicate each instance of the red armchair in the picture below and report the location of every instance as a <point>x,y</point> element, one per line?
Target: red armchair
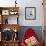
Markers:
<point>28,34</point>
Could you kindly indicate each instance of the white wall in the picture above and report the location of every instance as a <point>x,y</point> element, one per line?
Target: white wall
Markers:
<point>27,3</point>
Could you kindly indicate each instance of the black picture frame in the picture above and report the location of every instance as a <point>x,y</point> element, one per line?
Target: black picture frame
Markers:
<point>30,13</point>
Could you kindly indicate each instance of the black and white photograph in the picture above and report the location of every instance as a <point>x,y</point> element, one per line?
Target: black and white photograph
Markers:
<point>30,13</point>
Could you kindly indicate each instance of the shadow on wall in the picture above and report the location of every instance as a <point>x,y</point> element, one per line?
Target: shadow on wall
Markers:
<point>37,29</point>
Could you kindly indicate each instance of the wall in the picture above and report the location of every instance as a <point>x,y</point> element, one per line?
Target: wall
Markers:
<point>39,13</point>
<point>26,3</point>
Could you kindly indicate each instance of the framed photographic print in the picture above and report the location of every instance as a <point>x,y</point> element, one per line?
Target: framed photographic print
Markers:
<point>5,12</point>
<point>30,13</point>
